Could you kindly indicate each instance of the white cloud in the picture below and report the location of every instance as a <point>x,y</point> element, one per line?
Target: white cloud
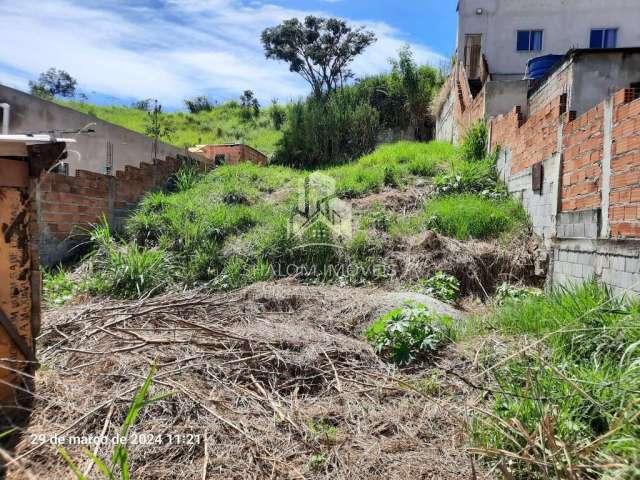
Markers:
<point>186,48</point>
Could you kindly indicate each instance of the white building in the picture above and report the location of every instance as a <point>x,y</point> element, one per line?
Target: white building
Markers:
<point>510,32</point>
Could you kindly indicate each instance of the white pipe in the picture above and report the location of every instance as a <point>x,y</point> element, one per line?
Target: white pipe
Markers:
<point>6,111</point>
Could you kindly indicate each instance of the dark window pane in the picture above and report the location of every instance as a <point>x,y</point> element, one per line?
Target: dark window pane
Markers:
<point>596,39</point>
<point>536,40</point>
<point>523,40</point>
<point>610,38</point>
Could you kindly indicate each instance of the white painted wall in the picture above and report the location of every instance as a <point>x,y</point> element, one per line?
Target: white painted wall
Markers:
<point>566,24</point>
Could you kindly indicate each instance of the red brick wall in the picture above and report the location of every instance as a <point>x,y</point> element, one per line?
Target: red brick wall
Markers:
<point>582,161</point>
<point>467,110</point>
<point>235,154</point>
<point>624,198</point>
<point>530,141</point>
<point>536,139</point>
<point>65,203</point>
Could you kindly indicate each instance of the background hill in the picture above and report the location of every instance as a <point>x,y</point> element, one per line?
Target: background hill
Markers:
<point>222,124</point>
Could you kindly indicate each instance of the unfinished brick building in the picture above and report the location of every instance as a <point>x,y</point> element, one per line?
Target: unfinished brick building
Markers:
<point>570,150</point>
<point>230,154</point>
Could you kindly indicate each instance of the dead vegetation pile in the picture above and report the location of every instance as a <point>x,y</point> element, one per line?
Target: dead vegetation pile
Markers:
<point>480,266</point>
<point>273,381</point>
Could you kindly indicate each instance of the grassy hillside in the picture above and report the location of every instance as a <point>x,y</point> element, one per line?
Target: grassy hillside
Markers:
<point>230,227</point>
<point>223,124</point>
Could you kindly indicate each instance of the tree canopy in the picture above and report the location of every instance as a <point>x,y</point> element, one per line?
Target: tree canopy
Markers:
<point>318,49</point>
<point>54,82</point>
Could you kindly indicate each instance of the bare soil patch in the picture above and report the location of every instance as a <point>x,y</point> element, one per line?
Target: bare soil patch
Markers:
<point>275,380</point>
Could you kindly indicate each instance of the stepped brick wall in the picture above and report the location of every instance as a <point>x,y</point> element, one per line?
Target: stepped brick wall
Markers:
<point>65,204</point>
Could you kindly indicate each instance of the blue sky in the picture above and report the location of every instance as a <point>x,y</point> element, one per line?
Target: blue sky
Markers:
<point>173,49</point>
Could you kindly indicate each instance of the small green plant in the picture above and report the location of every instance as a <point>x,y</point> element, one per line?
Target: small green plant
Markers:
<point>317,461</point>
<point>119,468</point>
<point>323,430</point>
<point>391,177</point>
<point>443,286</point>
<point>377,218</point>
<point>477,177</point>
<point>514,293</point>
<point>406,333</point>
<point>58,287</point>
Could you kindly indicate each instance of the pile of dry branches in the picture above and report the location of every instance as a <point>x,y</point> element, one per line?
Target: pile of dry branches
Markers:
<point>274,381</point>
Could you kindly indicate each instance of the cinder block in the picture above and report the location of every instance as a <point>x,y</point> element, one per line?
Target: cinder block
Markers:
<point>588,272</point>
<point>591,230</point>
<point>577,230</point>
<point>617,263</point>
<point>632,264</point>
<point>576,270</point>
<point>572,257</point>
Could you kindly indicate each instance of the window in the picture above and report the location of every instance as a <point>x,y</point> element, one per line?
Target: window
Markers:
<point>604,38</point>
<point>529,40</point>
<point>219,159</point>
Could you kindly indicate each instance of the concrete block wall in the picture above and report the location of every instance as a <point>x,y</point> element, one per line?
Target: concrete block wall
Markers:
<point>615,264</point>
<point>92,151</point>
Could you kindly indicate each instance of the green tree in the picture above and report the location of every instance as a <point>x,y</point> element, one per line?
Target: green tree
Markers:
<point>54,82</point>
<point>278,114</point>
<point>250,107</point>
<point>198,104</point>
<point>318,49</point>
<point>158,127</point>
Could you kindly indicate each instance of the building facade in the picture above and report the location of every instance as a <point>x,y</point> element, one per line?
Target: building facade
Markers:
<point>508,33</point>
<point>100,147</point>
<point>230,154</point>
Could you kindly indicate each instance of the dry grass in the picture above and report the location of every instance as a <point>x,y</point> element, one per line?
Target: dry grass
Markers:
<point>276,379</point>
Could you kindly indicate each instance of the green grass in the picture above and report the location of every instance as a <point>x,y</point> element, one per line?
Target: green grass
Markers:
<point>577,386</point>
<point>470,216</point>
<point>391,165</point>
<point>230,227</point>
<point>223,124</point>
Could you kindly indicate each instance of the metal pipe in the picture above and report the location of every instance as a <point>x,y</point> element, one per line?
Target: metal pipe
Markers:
<point>6,110</point>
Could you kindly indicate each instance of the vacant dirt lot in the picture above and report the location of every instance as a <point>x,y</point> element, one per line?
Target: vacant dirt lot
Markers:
<point>273,381</point>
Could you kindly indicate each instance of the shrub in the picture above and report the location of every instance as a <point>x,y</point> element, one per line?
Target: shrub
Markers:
<point>474,143</point>
<point>198,104</point>
<point>404,334</point>
<point>278,115</point>
<point>468,177</point>
<point>468,216</point>
<point>325,132</point>
<point>185,178</point>
<point>130,271</point>
<point>442,286</point>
